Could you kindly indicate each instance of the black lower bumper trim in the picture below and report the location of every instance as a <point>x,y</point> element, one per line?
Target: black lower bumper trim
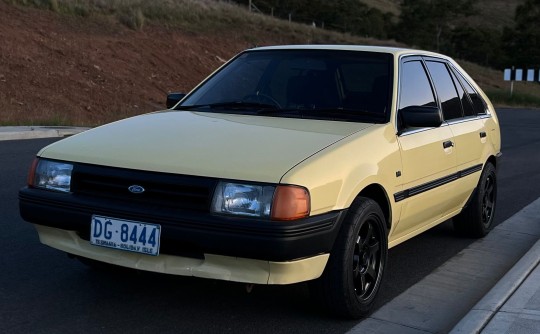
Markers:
<point>187,233</point>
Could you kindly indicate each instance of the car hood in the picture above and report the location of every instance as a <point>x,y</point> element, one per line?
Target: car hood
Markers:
<point>229,146</point>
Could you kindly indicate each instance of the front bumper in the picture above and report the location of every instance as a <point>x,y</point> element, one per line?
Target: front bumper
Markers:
<point>188,234</point>
<point>211,266</point>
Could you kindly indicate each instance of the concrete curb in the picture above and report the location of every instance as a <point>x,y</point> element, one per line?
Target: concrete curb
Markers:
<point>34,132</point>
<point>481,314</point>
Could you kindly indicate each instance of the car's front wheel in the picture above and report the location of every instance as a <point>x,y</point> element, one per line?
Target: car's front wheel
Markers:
<point>476,220</point>
<point>355,269</point>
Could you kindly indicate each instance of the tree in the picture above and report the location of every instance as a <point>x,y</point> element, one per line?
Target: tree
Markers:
<point>522,43</point>
<point>428,23</point>
<point>477,44</point>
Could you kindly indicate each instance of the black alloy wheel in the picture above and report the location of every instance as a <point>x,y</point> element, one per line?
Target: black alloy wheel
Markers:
<point>476,219</point>
<point>355,269</point>
<point>488,200</point>
<point>367,259</point>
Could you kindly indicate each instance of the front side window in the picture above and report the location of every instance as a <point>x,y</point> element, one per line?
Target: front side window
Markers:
<point>415,89</point>
<point>316,84</point>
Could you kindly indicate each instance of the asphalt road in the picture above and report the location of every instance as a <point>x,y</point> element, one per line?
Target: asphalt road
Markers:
<point>43,291</point>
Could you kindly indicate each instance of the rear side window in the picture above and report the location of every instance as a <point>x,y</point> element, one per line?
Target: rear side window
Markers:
<point>415,89</point>
<point>466,103</point>
<point>478,104</point>
<point>446,90</point>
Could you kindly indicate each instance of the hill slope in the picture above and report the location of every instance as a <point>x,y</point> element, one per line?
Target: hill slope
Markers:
<point>59,69</point>
<point>67,70</point>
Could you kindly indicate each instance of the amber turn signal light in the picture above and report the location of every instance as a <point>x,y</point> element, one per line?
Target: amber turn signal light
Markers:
<point>290,202</point>
<point>32,173</point>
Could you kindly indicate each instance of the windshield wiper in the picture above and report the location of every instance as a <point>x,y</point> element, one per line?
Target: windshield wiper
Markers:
<point>336,114</point>
<point>343,111</point>
<point>234,105</point>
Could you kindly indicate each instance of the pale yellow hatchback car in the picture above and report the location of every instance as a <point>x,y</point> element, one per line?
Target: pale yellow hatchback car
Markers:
<point>288,164</point>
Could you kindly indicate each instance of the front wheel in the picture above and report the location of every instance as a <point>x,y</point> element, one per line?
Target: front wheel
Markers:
<point>354,272</point>
<point>476,220</point>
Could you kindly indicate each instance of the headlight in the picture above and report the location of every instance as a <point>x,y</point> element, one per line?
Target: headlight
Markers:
<point>50,175</point>
<point>243,199</point>
<point>283,202</point>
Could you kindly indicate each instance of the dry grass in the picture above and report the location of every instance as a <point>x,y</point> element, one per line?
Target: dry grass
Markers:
<point>212,15</point>
<point>197,16</point>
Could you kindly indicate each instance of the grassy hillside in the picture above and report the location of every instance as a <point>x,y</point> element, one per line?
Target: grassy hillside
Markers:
<point>88,62</point>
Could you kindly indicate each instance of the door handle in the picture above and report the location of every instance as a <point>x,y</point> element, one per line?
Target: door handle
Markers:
<point>483,134</point>
<point>448,144</point>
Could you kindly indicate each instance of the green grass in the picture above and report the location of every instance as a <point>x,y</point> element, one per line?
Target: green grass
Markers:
<point>193,15</point>
<point>197,16</point>
<point>503,98</point>
<point>134,13</point>
<point>55,120</point>
<point>212,15</point>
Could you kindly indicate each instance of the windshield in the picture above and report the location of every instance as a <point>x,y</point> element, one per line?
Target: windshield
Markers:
<point>316,84</point>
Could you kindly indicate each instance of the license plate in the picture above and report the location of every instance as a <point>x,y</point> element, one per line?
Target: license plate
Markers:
<point>125,235</point>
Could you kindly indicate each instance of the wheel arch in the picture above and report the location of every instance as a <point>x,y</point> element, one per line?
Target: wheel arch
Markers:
<point>493,160</point>
<point>377,193</point>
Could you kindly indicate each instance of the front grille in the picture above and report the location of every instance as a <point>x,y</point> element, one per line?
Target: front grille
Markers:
<point>160,189</point>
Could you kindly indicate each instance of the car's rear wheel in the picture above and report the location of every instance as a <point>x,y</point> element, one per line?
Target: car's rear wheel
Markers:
<point>476,220</point>
<point>355,269</point>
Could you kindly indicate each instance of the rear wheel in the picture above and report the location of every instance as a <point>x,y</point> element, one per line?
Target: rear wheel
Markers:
<point>355,269</point>
<point>476,220</point>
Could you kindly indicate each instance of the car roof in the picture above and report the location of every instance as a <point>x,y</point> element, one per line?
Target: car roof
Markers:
<point>366,48</point>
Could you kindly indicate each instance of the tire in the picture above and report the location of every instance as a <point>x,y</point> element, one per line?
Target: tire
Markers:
<point>476,219</point>
<point>353,274</point>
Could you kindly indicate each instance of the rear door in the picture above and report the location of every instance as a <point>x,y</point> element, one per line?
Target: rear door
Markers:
<point>428,157</point>
<point>467,127</point>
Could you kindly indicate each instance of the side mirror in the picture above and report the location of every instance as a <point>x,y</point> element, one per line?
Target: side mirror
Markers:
<point>421,117</point>
<point>173,99</point>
